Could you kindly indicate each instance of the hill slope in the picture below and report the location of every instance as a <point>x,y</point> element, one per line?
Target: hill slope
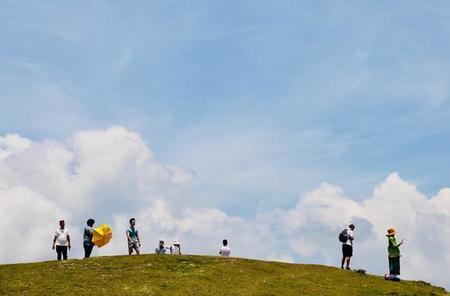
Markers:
<point>194,275</point>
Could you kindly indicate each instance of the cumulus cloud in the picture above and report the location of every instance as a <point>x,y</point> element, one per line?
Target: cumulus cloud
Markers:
<point>27,218</point>
<point>12,143</point>
<point>95,173</point>
<point>423,222</point>
<point>112,175</point>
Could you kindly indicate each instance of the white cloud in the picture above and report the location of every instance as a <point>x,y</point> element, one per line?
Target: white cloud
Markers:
<point>112,175</point>
<point>26,223</point>
<point>12,143</point>
<point>95,173</point>
<point>423,222</point>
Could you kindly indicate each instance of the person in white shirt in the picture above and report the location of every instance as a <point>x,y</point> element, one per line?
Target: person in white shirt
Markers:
<point>160,249</point>
<point>175,249</point>
<point>347,246</point>
<point>61,240</point>
<point>225,250</point>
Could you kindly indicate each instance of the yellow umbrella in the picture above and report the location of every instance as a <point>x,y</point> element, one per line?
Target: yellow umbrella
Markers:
<point>102,235</point>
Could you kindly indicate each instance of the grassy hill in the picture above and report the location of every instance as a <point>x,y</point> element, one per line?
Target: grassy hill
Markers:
<point>194,275</point>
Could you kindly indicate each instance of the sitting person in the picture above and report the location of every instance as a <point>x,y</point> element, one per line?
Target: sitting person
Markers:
<point>160,249</point>
<point>225,250</point>
<point>175,249</point>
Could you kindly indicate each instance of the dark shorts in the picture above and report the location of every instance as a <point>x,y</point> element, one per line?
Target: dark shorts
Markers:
<point>347,250</point>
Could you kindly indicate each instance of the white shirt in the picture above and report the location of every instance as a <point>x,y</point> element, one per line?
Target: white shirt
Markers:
<point>61,237</point>
<point>175,250</point>
<point>350,236</point>
<point>224,251</point>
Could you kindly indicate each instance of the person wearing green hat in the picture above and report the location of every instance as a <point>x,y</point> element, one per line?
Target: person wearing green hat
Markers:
<point>393,254</point>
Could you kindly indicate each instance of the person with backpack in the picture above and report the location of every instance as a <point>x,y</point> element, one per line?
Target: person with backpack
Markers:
<point>133,238</point>
<point>87,238</point>
<point>393,255</point>
<point>61,240</point>
<point>346,237</point>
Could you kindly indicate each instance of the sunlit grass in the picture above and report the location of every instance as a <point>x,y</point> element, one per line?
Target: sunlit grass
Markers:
<point>194,275</point>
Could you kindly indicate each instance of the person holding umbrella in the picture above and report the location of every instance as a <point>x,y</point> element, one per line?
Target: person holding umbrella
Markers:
<point>393,255</point>
<point>87,238</point>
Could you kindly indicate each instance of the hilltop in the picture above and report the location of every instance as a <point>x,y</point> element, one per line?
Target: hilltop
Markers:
<point>194,275</point>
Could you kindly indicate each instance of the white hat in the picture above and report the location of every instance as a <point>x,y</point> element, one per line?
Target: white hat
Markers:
<point>176,242</point>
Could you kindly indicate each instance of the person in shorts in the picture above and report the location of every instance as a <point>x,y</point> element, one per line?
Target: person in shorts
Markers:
<point>61,241</point>
<point>133,238</point>
<point>347,247</point>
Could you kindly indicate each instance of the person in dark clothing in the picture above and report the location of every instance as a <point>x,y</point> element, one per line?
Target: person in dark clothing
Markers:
<point>87,238</point>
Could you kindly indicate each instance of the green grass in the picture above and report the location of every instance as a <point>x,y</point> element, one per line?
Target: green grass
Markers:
<point>194,275</point>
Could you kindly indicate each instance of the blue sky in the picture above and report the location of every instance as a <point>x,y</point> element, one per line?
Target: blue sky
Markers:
<point>272,123</point>
<point>263,101</point>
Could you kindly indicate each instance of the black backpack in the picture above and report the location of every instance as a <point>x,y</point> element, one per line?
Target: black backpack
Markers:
<point>343,236</point>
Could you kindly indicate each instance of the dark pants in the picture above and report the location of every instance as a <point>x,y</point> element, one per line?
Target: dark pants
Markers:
<point>394,265</point>
<point>61,250</point>
<point>87,250</point>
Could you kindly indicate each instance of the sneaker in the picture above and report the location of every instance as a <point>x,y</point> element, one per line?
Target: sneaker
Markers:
<point>348,268</point>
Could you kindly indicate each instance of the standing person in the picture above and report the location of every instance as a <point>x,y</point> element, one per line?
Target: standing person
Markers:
<point>175,249</point>
<point>62,240</point>
<point>160,249</point>
<point>225,250</point>
<point>87,238</point>
<point>133,238</point>
<point>346,237</point>
<point>393,254</point>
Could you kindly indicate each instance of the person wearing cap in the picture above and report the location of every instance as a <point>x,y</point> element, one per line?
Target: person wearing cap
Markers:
<point>61,241</point>
<point>160,249</point>
<point>88,245</point>
<point>225,250</point>
<point>347,246</point>
<point>175,249</point>
<point>393,253</point>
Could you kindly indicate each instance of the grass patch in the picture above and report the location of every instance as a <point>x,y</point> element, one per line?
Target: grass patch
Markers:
<point>195,275</point>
